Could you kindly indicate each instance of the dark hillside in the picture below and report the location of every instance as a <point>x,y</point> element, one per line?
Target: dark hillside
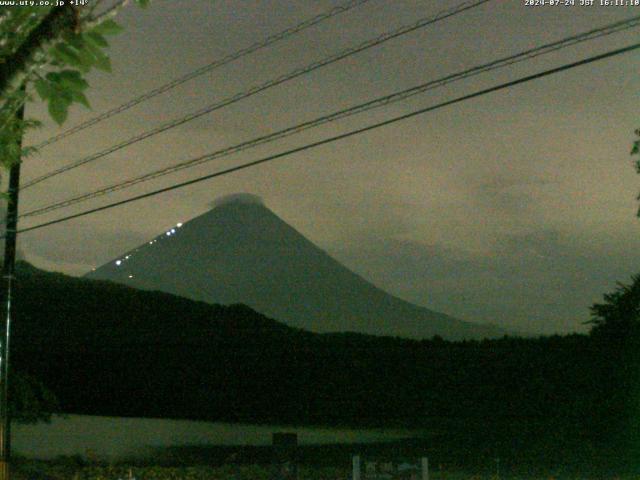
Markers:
<point>108,349</point>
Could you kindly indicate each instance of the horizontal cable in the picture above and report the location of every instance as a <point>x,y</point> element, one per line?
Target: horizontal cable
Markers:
<point>205,69</point>
<point>376,103</point>
<point>342,136</point>
<point>260,88</point>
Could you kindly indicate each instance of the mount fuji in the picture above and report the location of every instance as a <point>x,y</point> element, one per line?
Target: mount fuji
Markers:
<point>241,252</point>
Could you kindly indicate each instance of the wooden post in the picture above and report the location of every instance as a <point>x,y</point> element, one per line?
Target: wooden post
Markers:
<point>8,271</point>
<point>356,468</point>
<point>425,468</point>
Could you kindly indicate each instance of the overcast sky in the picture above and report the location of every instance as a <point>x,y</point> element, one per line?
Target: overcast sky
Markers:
<point>516,208</point>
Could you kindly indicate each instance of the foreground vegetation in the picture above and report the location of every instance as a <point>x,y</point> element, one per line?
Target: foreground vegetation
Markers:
<point>66,470</point>
<point>570,401</point>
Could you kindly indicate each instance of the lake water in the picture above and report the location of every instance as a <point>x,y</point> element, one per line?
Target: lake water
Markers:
<point>114,437</point>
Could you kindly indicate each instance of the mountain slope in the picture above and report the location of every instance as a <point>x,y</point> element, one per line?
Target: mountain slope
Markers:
<point>107,349</point>
<point>241,252</point>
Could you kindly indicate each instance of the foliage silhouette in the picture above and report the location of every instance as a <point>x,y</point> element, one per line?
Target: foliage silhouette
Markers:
<point>107,349</point>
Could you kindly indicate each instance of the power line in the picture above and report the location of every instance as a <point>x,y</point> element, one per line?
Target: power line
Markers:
<point>205,69</point>
<point>342,136</point>
<point>376,103</point>
<point>264,86</point>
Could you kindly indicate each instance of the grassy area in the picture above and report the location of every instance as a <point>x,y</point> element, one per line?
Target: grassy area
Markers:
<point>448,461</point>
<point>44,471</point>
<point>78,469</point>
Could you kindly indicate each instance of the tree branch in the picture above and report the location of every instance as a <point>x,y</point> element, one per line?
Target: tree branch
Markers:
<point>59,21</point>
<point>110,12</point>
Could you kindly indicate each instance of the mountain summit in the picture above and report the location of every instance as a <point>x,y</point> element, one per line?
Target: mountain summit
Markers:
<point>241,252</point>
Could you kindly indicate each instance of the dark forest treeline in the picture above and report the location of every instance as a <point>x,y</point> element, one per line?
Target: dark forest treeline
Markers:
<point>107,349</point>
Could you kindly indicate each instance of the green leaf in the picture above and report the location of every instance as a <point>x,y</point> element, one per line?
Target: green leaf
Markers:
<point>101,60</point>
<point>28,151</point>
<point>58,109</point>
<point>75,40</point>
<point>57,87</point>
<point>143,3</point>
<point>97,39</point>
<point>87,57</point>
<point>73,80</point>
<point>80,98</point>
<point>43,88</point>
<point>53,77</point>
<point>65,96</point>
<point>67,54</point>
<point>108,27</point>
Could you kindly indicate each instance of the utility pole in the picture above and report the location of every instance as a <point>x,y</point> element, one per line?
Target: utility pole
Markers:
<point>8,272</point>
<point>60,19</point>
